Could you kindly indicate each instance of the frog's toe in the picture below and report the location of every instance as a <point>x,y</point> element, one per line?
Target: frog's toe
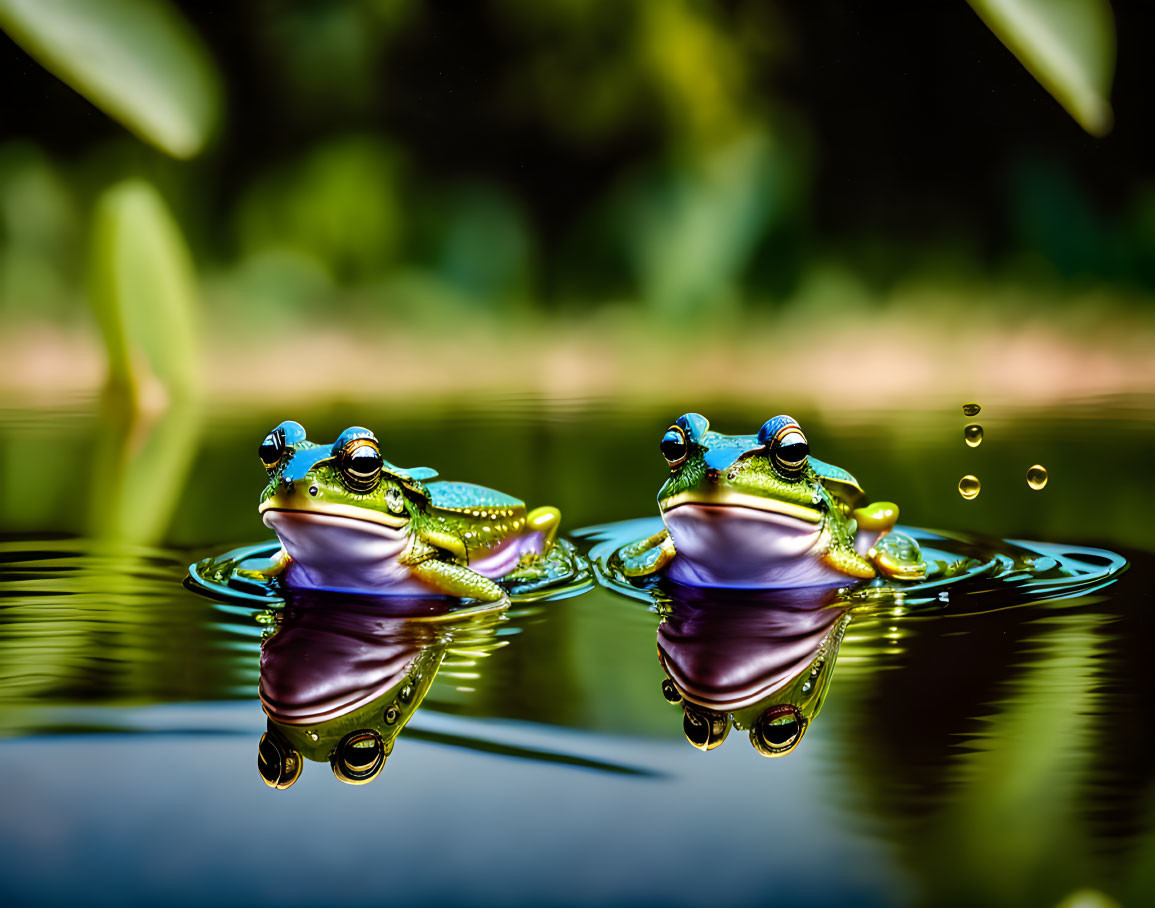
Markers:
<point>898,557</point>
<point>647,556</point>
<point>531,566</point>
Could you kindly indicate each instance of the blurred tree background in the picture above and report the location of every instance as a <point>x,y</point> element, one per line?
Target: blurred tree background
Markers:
<point>358,164</point>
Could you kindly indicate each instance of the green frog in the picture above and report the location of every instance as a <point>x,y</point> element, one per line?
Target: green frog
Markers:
<point>349,520</point>
<point>758,512</point>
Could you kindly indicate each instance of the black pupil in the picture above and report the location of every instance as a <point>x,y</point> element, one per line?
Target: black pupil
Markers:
<point>673,446</point>
<point>793,449</point>
<point>784,733</point>
<point>364,462</point>
<point>270,450</point>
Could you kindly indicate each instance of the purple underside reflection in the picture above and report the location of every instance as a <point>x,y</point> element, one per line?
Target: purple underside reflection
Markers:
<point>343,553</point>
<point>727,653</point>
<point>330,658</point>
<point>744,548</point>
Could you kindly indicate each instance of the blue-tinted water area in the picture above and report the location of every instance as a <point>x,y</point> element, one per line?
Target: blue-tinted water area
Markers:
<point>986,737</point>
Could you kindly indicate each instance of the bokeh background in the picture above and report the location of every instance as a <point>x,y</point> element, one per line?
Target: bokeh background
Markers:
<point>847,203</point>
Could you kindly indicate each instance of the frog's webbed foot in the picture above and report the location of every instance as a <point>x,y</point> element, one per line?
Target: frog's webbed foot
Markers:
<point>898,557</point>
<point>647,556</point>
<point>849,562</point>
<point>262,569</point>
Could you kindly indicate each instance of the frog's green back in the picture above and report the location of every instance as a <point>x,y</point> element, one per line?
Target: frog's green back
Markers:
<point>459,496</point>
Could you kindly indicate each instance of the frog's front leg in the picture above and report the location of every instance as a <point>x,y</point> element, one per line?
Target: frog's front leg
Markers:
<point>647,556</point>
<point>261,569</point>
<point>449,577</point>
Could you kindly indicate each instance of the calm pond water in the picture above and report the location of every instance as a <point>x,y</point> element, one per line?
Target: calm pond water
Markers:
<point>971,754</point>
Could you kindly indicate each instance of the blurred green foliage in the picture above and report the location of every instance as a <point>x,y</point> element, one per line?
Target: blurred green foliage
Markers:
<point>137,60</point>
<point>1068,45</point>
<point>404,163</point>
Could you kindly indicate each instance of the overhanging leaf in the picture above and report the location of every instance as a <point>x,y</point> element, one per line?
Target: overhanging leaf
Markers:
<point>137,60</point>
<point>1067,45</point>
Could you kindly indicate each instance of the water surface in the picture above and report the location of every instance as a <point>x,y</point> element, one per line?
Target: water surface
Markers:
<point>971,755</point>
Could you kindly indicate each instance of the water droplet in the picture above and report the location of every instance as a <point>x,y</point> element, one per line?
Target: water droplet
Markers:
<point>968,486</point>
<point>806,687</point>
<point>973,435</point>
<point>314,736</point>
<point>971,409</point>
<point>1037,476</point>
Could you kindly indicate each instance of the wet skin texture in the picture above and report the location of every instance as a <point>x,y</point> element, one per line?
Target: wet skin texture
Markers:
<point>757,512</point>
<point>350,520</point>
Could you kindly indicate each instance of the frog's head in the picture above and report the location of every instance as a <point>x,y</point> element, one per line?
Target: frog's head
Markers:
<point>337,505</point>
<point>733,498</point>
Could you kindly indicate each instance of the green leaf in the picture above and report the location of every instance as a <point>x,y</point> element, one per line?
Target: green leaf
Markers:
<point>143,289</point>
<point>137,60</point>
<point>1068,45</point>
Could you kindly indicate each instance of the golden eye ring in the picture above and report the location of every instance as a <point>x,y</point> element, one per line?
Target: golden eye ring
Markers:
<point>360,464</point>
<point>790,450</point>
<point>358,757</point>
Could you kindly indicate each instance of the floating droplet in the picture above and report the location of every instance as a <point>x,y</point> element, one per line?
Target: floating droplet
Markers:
<point>806,687</point>
<point>968,486</point>
<point>971,409</point>
<point>973,435</point>
<point>1037,476</point>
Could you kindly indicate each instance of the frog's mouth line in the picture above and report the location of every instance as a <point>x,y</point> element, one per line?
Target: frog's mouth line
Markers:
<point>725,498</point>
<point>342,511</point>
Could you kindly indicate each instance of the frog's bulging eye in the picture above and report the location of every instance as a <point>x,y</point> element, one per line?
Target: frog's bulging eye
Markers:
<point>790,453</point>
<point>277,443</point>
<point>272,449</point>
<point>358,757</point>
<point>787,446</point>
<point>278,763</point>
<point>360,465</point>
<point>777,731</point>
<point>674,447</point>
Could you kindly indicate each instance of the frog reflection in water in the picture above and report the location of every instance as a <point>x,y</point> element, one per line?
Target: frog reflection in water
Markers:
<point>341,676</point>
<point>758,512</point>
<point>760,662</point>
<point>349,520</point>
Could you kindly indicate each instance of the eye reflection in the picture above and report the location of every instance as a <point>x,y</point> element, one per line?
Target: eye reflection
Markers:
<point>777,731</point>
<point>704,728</point>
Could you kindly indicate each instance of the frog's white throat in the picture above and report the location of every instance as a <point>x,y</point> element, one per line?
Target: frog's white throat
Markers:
<point>739,547</point>
<point>335,552</point>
